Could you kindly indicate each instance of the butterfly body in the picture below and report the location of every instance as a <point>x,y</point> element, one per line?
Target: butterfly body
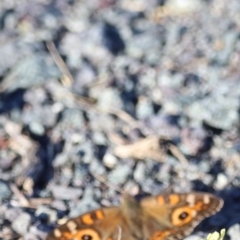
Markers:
<point>163,217</point>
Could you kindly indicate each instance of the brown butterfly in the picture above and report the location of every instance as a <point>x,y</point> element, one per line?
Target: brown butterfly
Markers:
<point>163,217</point>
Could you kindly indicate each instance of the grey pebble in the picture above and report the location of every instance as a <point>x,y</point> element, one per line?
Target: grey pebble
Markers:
<point>86,152</point>
<point>99,138</point>
<point>104,122</point>
<point>30,236</point>
<point>139,172</point>
<point>37,231</point>
<point>85,204</point>
<point>218,111</point>
<point>229,43</point>
<point>37,128</point>
<point>5,191</point>
<point>7,50</point>
<point>144,108</point>
<point>59,205</point>
<point>52,214</point>
<point>221,181</point>
<point>5,161</point>
<point>151,187</point>
<point>110,98</point>
<point>12,213</point>
<point>64,192</point>
<point>61,159</point>
<point>192,237</point>
<point>30,71</point>
<point>39,115</point>
<point>234,232</point>
<point>97,167</point>
<point>110,160</point>
<point>71,118</point>
<point>21,223</point>
<point>120,174</point>
<point>85,76</point>
<point>81,175</point>
<point>163,175</point>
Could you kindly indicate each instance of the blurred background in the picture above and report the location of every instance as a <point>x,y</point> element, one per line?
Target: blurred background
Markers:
<point>142,93</point>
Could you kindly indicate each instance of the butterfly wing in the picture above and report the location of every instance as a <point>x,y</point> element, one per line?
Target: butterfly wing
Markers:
<point>101,224</point>
<point>164,217</point>
<point>174,216</point>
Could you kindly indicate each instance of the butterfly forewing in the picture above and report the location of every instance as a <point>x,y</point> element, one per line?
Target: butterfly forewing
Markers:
<point>95,225</point>
<point>178,214</point>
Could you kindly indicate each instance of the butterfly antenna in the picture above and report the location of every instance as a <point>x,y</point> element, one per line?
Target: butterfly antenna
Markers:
<point>107,183</point>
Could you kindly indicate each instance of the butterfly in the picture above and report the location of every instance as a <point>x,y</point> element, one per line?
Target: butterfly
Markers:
<point>169,216</point>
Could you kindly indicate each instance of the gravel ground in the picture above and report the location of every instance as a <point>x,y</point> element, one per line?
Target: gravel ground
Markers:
<point>142,93</point>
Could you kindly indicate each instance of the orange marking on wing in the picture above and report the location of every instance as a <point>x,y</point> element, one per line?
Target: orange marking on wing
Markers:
<point>92,234</point>
<point>88,232</point>
<point>99,214</point>
<point>87,219</point>
<point>67,235</point>
<point>183,215</point>
<point>159,235</point>
<point>199,206</point>
<point>161,200</point>
<point>174,199</point>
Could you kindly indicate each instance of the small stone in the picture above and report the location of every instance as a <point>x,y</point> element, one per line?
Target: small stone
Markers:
<point>97,167</point>
<point>30,71</point>
<point>234,232</point>
<point>139,172</point>
<point>221,113</point>
<point>132,187</point>
<point>150,186</point>
<point>37,230</point>
<point>60,159</point>
<point>110,98</point>
<point>36,128</point>
<point>87,203</point>
<point>144,108</point>
<point>59,205</point>
<point>84,77</point>
<point>43,210</point>
<point>183,6</point>
<point>194,140</point>
<point>120,174</point>
<point>221,181</point>
<point>192,237</point>
<point>109,160</point>
<point>22,223</point>
<point>5,191</point>
<point>86,152</point>
<point>65,193</point>
<point>12,213</point>
<point>163,175</point>
<point>112,39</point>
<point>30,236</point>
<point>81,175</point>
<point>99,138</point>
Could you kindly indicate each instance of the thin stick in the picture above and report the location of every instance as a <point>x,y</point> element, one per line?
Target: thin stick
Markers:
<point>175,151</point>
<point>22,199</point>
<point>107,183</point>
<point>59,61</point>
